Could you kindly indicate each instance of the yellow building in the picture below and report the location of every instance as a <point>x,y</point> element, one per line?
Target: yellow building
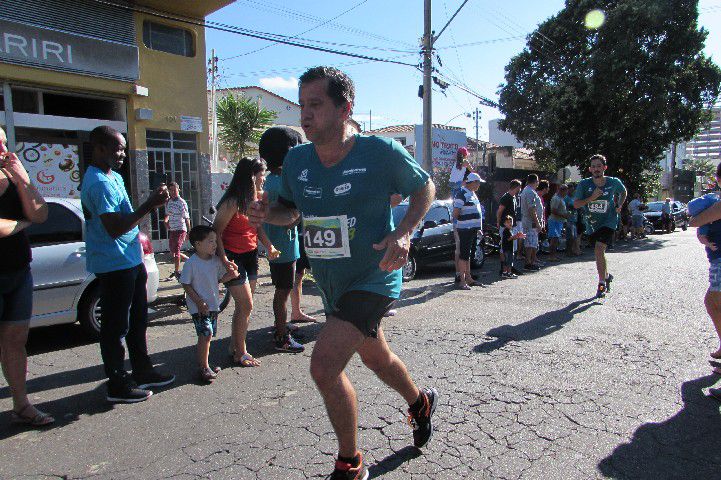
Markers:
<point>67,66</point>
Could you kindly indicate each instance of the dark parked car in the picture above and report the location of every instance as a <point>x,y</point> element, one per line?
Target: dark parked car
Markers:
<point>432,240</point>
<point>678,212</point>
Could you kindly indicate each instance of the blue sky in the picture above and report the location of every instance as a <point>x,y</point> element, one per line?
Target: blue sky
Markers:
<point>392,29</point>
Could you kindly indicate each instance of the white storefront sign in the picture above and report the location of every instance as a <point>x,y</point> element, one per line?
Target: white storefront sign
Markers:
<point>191,124</point>
<point>444,145</point>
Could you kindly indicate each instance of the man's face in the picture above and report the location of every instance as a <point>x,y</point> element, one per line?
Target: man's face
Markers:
<point>597,168</point>
<point>319,116</point>
<point>113,154</point>
<point>473,186</point>
<point>514,191</point>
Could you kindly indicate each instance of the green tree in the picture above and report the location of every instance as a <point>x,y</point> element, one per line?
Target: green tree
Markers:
<point>241,122</point>
<point>702,165</point>
<point>627,89</point>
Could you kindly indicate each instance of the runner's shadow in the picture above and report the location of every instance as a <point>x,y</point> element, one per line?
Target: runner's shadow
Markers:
<point>393,461</point>
<point>540,326</point>
<point>686,445</point>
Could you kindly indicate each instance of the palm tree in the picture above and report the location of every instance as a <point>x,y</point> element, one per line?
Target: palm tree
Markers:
<point>241,122</point>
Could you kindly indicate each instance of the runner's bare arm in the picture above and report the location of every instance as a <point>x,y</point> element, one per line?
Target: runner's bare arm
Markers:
<point>585,201</point>
<point>116,224</point>
<point>397,243</point>
<point>709,215</point>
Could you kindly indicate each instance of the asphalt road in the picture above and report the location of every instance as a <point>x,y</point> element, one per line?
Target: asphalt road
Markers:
<point>537,381</point>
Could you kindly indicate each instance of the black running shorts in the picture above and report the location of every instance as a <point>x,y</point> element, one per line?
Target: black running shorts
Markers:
<point>364,310</point>
<point>602,235</point>
<point>282,275</point>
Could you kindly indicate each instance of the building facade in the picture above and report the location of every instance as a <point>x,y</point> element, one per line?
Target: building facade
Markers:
<point>707,144</point>
<point>67,67</point>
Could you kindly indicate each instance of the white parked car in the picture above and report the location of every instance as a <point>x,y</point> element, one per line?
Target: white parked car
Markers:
<point>63,291</point>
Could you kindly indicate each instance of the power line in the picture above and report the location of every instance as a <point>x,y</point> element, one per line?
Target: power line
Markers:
<point>303,32</point>
<point>249,33</point>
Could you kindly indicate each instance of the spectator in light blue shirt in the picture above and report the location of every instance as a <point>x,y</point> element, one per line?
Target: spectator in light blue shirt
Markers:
<point>114,255</point>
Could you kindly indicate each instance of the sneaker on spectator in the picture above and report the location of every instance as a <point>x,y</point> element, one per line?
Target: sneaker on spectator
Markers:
<point>152,377</point>
<point>126,391</point>
<point>287,343</point>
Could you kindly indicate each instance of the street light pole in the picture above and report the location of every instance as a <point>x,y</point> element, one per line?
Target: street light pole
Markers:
<point>427,72</point>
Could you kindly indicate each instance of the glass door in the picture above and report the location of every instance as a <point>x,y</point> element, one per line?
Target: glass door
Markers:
<point>173,156</point>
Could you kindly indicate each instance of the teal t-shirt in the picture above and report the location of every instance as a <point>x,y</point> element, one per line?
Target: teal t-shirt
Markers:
<point>283,239</point>
<point>346,209</point>
<point>100,194</point>
<point>602,211</point>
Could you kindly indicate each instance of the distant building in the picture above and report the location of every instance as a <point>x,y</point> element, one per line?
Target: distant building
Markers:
<point>707,144</point>
<point>501,137</point>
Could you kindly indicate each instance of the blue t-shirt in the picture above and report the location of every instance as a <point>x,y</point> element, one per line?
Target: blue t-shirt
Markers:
<point>101,193</point>
<point>346,209</point>
<point>283,239</point>
<point>602,211</point>
<point>470,214</point>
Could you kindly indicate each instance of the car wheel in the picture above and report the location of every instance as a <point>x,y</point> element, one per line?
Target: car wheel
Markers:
<point>648,229</point>
<point>409,269</point>
<point>89,312</point>
<point>479,255</point>
<point>224,297</point>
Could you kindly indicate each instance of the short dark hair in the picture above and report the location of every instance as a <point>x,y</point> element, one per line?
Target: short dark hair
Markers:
<point>542,185</point>
<point>199,233</point>
<point>340,86</point>
<point>597,156</point>
<point>103,135</point>
<point>172,183</point>
<point>275,143</point>
<point>515,183</point>
<point>507,218</point>
<point>532,178</point>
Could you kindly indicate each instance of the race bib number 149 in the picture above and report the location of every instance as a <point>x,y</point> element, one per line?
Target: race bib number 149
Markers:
<point>326,237</point>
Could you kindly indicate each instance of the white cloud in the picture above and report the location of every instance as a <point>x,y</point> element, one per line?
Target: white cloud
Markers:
<point>364,117</point>
<point>279,83</point>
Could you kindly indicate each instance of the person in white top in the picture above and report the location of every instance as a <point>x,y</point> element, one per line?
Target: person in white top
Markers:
<point>459,171</point>
<point>177,222</point>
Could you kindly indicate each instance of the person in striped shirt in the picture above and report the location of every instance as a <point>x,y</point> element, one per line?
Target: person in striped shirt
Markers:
<point>467,212</point>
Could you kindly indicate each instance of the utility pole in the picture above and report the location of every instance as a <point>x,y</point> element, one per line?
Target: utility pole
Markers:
<point>477,144</point>
<point>370,119</point>
<point>213,70</point>
<point>672,180</point>
<point>427,72</point>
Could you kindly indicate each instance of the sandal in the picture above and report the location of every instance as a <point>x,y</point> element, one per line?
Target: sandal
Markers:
<point>304,319</point>
<point>247,360</point>
<point>40,419</point>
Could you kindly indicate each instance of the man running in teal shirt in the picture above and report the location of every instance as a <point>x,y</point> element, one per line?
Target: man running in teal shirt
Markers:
<point>340,184</point>
<point>602,198</point>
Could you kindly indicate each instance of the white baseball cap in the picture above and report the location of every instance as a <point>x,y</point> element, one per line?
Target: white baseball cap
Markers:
<point>473,177</point>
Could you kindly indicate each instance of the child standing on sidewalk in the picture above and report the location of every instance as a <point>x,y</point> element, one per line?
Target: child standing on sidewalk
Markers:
<point>507,243</point>
<point>177,222</point>
<point>200,278</point>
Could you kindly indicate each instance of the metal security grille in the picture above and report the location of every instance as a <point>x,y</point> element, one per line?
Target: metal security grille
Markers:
<point>84,17</point>
<point>173,156</point>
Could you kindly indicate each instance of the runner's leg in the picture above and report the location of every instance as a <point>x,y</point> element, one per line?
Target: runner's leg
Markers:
<point>377,356</point>
<point>336,344</point>
<point>601,265</point>
<point>280,310</point>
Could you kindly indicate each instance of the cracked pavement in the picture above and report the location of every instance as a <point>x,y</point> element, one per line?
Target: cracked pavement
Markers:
<point>537,380</point>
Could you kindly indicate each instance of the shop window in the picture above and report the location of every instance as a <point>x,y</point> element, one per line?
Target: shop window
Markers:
<point>25,101</point>
<point>165,38</point>
<point>82,107</point>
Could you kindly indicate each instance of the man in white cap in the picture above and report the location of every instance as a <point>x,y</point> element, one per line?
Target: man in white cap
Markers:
<point>467,212</point>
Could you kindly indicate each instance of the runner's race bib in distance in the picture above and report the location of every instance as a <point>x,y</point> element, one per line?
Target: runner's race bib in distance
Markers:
<point>598,206</point>
<point>326,237</point>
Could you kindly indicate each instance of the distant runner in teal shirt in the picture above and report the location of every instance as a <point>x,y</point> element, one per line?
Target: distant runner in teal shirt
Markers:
<point>601,197</point>
<point>340,184</point>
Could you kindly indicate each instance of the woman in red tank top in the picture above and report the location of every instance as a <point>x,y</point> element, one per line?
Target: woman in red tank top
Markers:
<point>238,244</point>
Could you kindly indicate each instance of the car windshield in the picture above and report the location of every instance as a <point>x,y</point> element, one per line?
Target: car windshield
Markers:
<point>398,213</point>
<point>655,206</point>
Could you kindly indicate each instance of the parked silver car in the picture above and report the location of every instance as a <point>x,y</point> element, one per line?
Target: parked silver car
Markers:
<point>63,291</point>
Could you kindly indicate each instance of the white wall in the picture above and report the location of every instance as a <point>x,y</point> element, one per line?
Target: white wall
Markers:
<point>501,137</point>
<point>288,114</point>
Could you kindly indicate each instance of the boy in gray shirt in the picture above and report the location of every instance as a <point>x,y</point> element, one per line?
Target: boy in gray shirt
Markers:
<point>200,278</point>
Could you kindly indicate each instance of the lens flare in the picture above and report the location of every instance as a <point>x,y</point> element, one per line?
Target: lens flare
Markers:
<point>595,19</point>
